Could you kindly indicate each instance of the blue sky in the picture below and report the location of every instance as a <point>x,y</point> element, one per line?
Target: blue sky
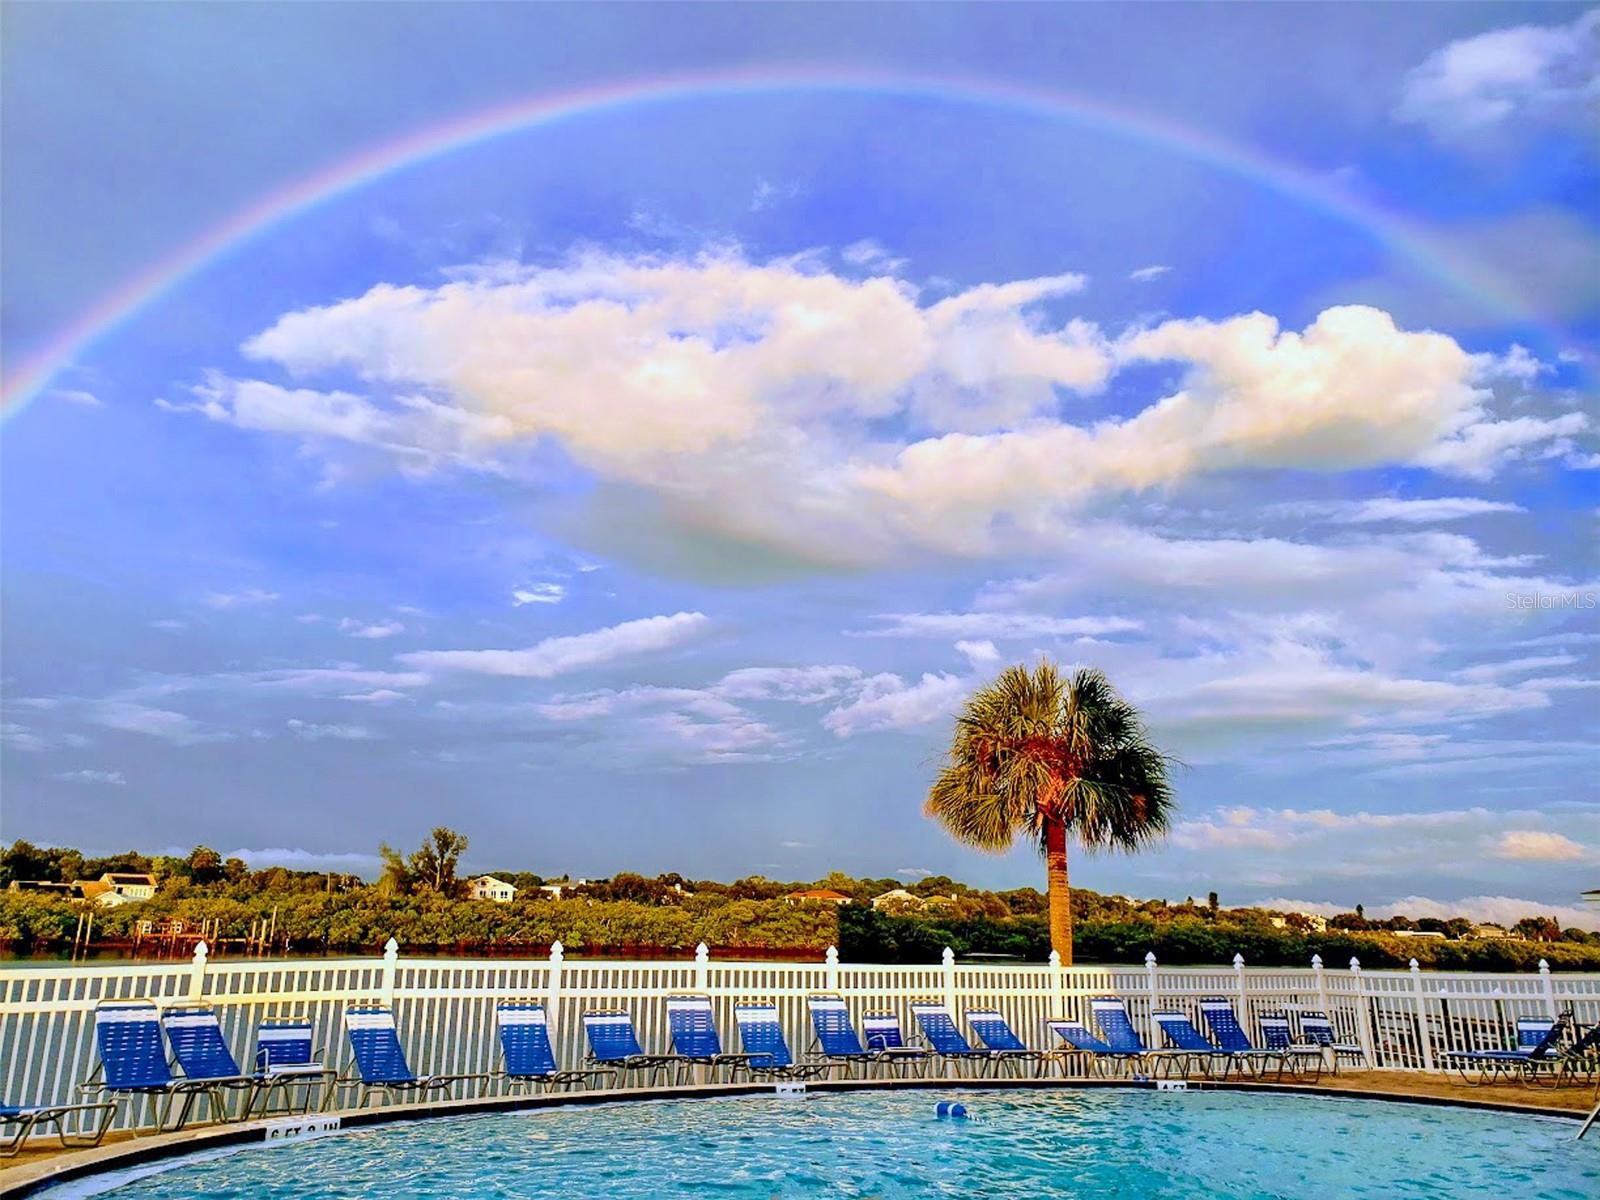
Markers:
<point>645,490</point>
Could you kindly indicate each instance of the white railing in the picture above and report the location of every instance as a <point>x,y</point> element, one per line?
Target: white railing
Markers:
<point>445,1007</point>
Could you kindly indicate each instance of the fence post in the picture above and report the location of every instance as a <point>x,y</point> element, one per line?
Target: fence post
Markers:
<point>1153,978</point>
<point>948,959</point>
<point>1363,1018</point>
<point>1549,987</point>
<point>1424,1035</point>
<point>552,998</point>
<point>391,952</point>
<point>1322,984</point>
<point>197,973</point>
<point>1244,997</point>
<point>702,966</point>
<point>1058,984</point>
<point>830,962</point>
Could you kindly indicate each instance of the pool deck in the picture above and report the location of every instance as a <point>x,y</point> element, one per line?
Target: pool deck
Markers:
<point>35,1169</point>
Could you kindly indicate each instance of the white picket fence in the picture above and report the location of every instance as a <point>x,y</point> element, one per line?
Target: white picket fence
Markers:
<point>445,1007</point>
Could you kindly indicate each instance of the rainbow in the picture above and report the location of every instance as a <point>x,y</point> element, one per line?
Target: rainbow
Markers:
<point>1317,192</point>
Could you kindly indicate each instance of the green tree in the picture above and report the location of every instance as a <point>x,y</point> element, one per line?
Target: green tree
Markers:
<point>205,865</point>
<point>24,860</point>
<point>433,867</point>
<point>1052,758</point>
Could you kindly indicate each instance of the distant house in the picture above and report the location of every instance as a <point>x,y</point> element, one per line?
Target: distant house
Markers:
<point>1489,932</point>
<point>1417,933</point>
<point>487,887</point>
<point>102,893</point>
<point>1310,921</point>
<point>566,885</point>
<point>130,886</point>
<point>817,896</point>
<point>898,898</point>
<point>1592,896</point>
<point>69,891</point>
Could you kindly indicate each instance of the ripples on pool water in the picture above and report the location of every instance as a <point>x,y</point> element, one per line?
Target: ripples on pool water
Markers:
<point>1125,1144</point>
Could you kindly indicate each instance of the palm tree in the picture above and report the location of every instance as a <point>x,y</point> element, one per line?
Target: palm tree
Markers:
<point>1045,756</point>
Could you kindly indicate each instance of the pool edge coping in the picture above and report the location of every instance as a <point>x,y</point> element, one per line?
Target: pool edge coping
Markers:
<point>28,1180</point>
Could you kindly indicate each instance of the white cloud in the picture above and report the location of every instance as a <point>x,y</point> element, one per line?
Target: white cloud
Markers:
<point>1147,274</point>
<point>376,696</point>
<point>374,631</point>
<point>114,778</point>
<point>1416,512</point>
<point>1515,666</point>
<point>251,597</point>
<point>846,419</point>
<point>315,680</point>
<point>795,685</point>
<point>562,655</point>
<point>1538,846</point>
<point>1540,71</point>
<point>78,397</point>
<point>305,860</point>
<point>979,654</point>
<point>310,732</point>
<point>869,254</point>
<point>165,724</point>
<point>683,724</point>
<point>538,593</point>
<point>1000,625</point>
<point>889,702</point>
<point>1501,910</point>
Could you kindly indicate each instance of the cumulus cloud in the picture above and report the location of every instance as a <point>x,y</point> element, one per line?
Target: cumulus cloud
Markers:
<point>165,724</point>
<point>848,418</point>
<point>538,593</point>
<point>371,631</point>
<point>796,685</point>
<point>887,701</point>
<point>1535,71</point>
<point>1538,846</point>
<point>563,655</point>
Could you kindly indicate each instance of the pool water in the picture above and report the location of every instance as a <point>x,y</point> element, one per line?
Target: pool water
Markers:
<point>1089,1143</point>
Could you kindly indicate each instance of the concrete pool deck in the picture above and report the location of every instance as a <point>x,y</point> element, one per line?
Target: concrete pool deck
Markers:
<point>36,1169</point>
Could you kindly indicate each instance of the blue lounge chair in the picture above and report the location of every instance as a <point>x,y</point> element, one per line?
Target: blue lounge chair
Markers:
<point>693,1027</point>
<point>1240,1052</point>
<point>1187,1046</point>
<point>1002,1043</point>
<point>380,1061</point>
<point>526,1055</point>
<point>613,1043</point>
<point>1077,1042</point>
<point>1536,1036</point>
<point>195,1035</point>
<point>133,1060</point>
<point>27,1119</point>
<point>1317,1029</point>
<point>761,1035</point>
<point>837,1041</point>
<point>1299,1058</point>
<point>887,1043</point>
<point>940,1032</point>
<point>284,1060</point>
<point>1120,1035</point>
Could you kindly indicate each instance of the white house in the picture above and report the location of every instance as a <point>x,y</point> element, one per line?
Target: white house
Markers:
<point>487,887</point>
<point>898,898</point>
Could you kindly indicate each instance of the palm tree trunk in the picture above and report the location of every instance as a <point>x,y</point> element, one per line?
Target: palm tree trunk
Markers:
<point>1055,864</point>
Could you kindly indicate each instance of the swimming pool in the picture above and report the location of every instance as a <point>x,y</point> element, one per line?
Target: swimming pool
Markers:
<point>1101,1142</point>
